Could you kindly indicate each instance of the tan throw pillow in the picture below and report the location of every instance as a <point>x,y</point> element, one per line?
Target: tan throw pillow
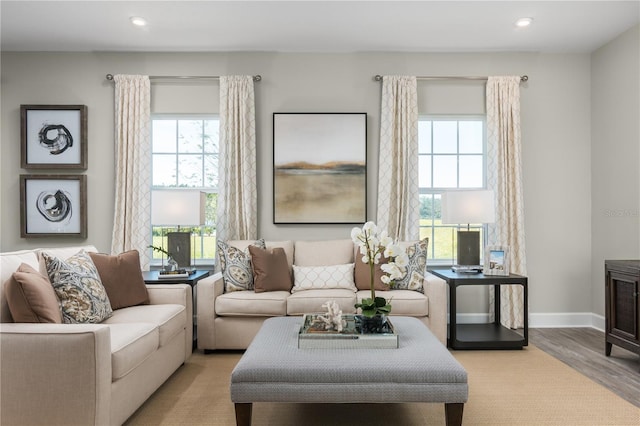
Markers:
<point>31,298</point>
<point>77,284</point>
<point>363,274</point>
<point>121,277</point>
<point>270,269</point>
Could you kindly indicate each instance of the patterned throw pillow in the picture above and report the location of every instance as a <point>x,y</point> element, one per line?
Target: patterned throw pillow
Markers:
<point>77,284</point>
<point>323,277</point>
<point>235,264</point>
<point>416,269</point>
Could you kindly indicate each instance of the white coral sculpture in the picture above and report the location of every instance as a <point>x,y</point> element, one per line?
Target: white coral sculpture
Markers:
<point>333,319</point>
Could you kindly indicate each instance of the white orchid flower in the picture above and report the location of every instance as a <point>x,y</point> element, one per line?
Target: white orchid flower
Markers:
<point>385,279</point>
<point>402,260</point>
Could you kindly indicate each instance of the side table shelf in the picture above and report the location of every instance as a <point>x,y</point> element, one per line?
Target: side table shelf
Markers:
<point>483,336</point>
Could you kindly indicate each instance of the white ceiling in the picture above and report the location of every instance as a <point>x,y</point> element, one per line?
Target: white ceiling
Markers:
<point>314,26</point>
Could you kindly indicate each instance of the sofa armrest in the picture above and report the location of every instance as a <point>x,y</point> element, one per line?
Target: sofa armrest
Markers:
<point>55,374</point>
<point>435,289</point>
<point>176,294</point>
<point>208,290</point>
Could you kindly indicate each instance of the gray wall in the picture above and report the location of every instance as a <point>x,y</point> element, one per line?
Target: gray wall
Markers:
<point>556,133</point>
<point>615,165</point>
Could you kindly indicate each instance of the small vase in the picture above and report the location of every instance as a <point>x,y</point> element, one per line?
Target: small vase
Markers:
<point>372,325</point>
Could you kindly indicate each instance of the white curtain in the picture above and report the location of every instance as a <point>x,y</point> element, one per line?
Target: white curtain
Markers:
<point>504,176</point>
<point>132,222</point>
<point>237,194</point>
<point>398,201</point>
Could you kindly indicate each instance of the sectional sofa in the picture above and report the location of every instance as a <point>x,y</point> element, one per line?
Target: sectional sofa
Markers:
<point>231,319</point>
<point>89,374</point>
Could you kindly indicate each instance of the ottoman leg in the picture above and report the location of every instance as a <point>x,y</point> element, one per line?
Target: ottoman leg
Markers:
<point>452,412</point>
<point>243,414</point>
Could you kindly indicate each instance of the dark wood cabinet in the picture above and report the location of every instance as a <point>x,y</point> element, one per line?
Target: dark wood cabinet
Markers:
<point>622,312</point>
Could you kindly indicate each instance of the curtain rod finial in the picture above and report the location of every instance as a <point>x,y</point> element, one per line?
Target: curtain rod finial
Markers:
<point>109,76</point>
<point>257,77</point>
<point>378,77</point>
<point>524,78</point>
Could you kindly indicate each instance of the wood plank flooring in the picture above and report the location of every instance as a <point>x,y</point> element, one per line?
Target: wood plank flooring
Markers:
<point>583,350</point>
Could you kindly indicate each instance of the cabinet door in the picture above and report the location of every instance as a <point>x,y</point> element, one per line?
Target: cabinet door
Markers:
<point>623,305</point>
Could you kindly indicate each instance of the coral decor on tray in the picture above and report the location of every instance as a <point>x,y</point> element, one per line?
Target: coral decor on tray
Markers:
<point>332,320</point>
<point>375,245</point>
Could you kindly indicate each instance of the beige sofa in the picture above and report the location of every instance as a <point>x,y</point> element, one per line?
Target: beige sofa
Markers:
<point>231,320</point>
<point>89,374</point>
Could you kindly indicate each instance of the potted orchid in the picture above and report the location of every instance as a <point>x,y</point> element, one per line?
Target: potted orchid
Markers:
<point>374,245</point>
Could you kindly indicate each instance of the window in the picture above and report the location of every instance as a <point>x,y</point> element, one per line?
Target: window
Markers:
<point>185,155</point>
<point>451,156</point>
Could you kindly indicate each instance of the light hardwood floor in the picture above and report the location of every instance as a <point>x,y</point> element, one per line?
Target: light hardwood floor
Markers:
<point>583,350</point>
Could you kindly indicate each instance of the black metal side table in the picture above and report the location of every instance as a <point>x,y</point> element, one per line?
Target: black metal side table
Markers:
<point>152,278</point>
<point>489,335</point>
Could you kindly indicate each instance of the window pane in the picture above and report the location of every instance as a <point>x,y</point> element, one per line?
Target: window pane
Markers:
<point>164,136</point>
<point>426,209</point>
<point>424,172</point>
<point>471,175</point>
<point>211,170</point>
<point>211,135</point>
<point>445,241</point>
<point>190,136</point>
<point>424,137</point>
<point>164,170</point>
<point>445,137</point>
<point>445,171</point>
<point>190,171</point>
<point>471,137</point>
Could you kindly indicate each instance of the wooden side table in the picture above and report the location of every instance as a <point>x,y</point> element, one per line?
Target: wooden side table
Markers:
<point>152,278</point>
<point>483,336</point>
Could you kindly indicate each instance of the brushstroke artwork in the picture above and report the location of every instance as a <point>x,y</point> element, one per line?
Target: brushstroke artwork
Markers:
<point>53,136</point>
<point>53,205</point>
<point>320,173</point>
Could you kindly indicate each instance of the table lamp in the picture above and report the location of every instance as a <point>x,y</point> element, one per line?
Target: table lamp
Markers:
<point>459,207</point>
<point>178,208</point>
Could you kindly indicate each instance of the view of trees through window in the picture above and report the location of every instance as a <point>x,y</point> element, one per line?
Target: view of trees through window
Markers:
<point>185,156</point>
<point>451,156</point>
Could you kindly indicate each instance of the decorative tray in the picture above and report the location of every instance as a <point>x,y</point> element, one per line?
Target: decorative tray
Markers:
<point>312,335</point>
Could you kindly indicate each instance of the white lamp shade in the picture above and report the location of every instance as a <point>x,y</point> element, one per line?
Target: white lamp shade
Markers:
<point>177,207</point>
<point>476,206</point>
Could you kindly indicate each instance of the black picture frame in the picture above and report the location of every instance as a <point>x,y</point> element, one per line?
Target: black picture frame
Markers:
<point>53,136</point>
<point>53,205</point>
<point>319,167</point>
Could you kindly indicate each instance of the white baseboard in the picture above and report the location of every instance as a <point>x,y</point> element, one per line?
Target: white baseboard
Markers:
<point>545,320</point>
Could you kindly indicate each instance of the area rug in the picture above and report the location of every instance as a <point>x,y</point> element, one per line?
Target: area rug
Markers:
<point>527,387</point>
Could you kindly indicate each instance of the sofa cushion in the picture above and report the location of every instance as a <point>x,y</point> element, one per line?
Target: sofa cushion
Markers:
<point>323,277</point>
<point>310,301</point>
<point>77,284</point>
<point>270,269</point>
<point>363,274</point>
<point>323,253</point>
<point>416,268</point>
<point>169,318</point>
<point>235,264</point>
<point>31,297</point>
<point>249,303</point>
<point>403,302</point>
<point>131,344</point>
<point>121,277</point>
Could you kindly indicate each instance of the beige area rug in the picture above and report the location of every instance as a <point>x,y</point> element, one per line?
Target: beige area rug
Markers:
<point>513,388</point>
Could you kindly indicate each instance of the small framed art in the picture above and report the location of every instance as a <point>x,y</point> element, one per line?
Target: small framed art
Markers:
<point>53,205</point>
<point>496,260</point>
<point>53,136</point>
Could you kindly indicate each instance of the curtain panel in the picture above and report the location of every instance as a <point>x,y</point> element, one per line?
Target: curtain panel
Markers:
<point>504,176</point>
<point>132,220</point>
<point>398,209</point>
<point>237,193</point>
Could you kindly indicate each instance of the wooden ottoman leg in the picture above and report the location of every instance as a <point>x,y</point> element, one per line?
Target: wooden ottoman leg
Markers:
<point>452,412</point>
<point>243,414</point>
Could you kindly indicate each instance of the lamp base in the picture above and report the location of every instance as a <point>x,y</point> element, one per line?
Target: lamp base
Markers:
<point>469,248</point>
<point>180,248</point>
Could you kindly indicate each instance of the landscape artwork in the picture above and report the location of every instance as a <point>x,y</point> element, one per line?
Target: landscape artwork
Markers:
<point>320,168</point>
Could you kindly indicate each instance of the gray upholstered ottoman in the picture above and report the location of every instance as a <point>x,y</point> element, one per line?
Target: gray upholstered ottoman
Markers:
<point>273,369</point>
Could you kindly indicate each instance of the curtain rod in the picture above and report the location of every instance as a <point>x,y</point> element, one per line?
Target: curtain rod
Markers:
<point>436,77</point>
<point>256,77</point>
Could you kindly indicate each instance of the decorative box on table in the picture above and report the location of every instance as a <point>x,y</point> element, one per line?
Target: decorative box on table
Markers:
<point>312,335</point>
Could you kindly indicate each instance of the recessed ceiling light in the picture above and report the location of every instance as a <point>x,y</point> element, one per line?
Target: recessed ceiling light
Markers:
<point>138,21</point>
<point>524,22</point>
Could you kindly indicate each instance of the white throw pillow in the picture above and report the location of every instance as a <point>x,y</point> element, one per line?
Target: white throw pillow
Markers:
<point>322,277</point>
